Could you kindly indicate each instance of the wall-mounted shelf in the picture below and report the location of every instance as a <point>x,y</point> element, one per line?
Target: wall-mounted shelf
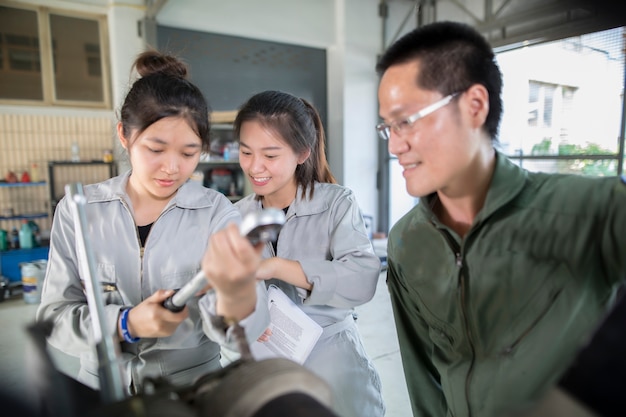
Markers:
<point>21,184</point>
<point>24,213</point>
<point>30,216</point>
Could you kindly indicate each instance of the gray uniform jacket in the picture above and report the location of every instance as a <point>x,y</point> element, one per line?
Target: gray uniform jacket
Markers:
<point>327,235</point>
<point>171,257</point>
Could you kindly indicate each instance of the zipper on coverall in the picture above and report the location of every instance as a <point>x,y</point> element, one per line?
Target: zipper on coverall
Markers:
<point>273,253</point>
<point>462,286</point>
<point>133,386</point>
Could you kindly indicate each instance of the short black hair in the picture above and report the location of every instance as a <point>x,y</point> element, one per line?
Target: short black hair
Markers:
<point>453,56</point>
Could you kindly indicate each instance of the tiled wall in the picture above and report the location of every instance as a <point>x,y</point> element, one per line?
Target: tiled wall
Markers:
<point>37,139</point>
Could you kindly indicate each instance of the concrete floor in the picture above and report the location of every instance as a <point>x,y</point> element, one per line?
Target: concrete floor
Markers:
<point>375,321</point>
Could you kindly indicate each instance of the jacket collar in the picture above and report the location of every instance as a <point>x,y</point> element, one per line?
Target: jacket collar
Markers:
<point>190,195</point>
<point>507,182</point>
<point>304,206</point>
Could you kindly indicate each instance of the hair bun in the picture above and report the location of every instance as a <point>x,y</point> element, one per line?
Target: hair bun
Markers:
<point>154,62</point>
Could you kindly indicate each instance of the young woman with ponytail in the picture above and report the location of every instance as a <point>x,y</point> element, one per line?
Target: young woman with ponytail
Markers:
<point>323,259</point>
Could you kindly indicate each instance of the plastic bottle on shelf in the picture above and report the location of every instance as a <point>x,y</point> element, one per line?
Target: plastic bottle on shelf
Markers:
<point>10,177</point>
<point>233,151</point>
<point>4,240</point>
<point>75,152</point>
<point>26,237</point>
<point>34,172</point>
<point>34,227</point>
<point>15,239</point>
<point>107,157</point>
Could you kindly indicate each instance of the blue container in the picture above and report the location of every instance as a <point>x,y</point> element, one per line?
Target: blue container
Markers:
<point>10,261</point>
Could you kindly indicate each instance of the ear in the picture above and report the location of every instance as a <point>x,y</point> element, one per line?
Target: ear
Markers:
<point>120,135</point>
<point>304,156</point>
<point>477,103</point>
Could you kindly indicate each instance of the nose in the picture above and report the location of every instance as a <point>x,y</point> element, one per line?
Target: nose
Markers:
<point>170,164</point>
<point>256,165</point>
<point>396,144</point>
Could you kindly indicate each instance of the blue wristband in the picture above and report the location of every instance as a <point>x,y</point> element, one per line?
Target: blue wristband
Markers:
<point>124,326</point>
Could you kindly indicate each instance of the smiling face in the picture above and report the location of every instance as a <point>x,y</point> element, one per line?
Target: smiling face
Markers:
<point>437,151</point>
<point>162,157</point>
<point>269,163</point>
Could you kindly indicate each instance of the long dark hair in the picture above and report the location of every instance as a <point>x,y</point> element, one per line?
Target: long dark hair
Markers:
<point>298,123</point>
<point>164,91</point>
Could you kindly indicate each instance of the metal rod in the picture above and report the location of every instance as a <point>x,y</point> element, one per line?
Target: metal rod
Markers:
<point>107,347</point>
<point>416,8</point>
<point>177,301</point>
<point>262,226</point>
<point>622,131</point>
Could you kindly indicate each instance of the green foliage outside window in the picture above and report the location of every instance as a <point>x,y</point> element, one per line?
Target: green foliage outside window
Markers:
<point>585,166</point>
<point>597,167</point>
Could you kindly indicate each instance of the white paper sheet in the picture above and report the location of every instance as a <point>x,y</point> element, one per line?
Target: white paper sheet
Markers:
<point>293,332</point>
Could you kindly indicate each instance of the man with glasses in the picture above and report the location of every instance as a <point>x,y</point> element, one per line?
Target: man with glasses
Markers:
<point>498,275</point>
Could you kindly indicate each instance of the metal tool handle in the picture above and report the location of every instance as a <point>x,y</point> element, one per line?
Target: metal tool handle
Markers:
<point>107,350</point>
<point>177,301</point>
<point>260,226</point>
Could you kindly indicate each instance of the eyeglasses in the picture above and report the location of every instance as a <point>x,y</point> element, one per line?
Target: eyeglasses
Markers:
<point>402,126</point>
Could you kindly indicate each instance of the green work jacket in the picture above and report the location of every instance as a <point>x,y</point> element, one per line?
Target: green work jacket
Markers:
<point>488,322</point>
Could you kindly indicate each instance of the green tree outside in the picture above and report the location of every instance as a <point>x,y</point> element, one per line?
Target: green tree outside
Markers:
<point>601,167</point>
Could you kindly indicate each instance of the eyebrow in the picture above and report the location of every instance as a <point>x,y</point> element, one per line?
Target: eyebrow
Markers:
<point>402,112</point>
<point>268,148</point>
<point>162,142</point>
<point>395,114</point>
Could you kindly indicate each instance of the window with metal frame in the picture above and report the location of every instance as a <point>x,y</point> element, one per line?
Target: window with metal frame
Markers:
<point>571,120</point>
<point>53,57</point>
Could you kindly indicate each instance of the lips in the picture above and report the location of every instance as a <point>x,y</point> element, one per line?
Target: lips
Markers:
<point>165,183</point>
<point>408,165</point>
<point>259,180</point>
<point>408,168</point>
